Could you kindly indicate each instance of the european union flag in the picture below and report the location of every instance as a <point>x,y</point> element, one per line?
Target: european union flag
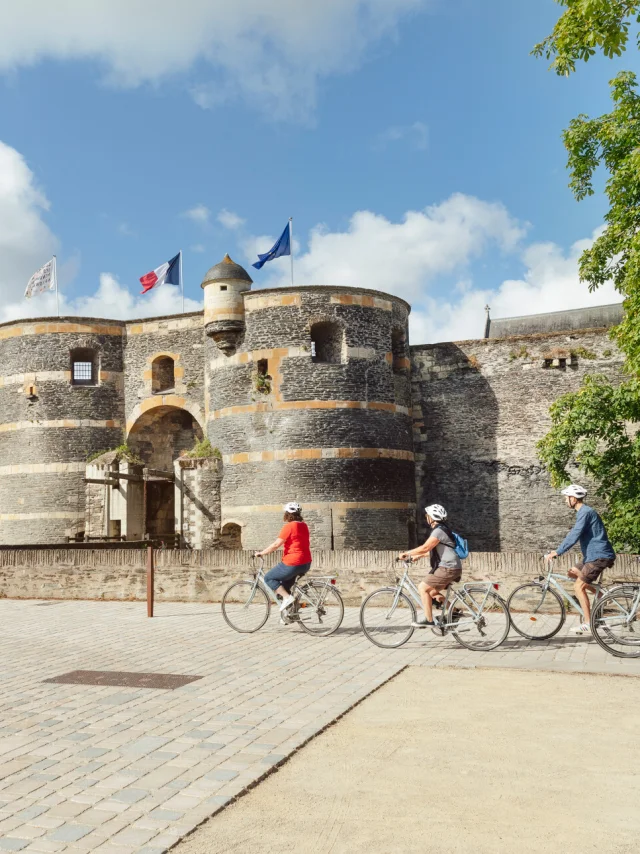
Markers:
<point>282,246</point>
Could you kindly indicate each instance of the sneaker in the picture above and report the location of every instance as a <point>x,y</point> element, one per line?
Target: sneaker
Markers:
<point>582,629</point>
<point>422,623</point>
<point>287,603</point>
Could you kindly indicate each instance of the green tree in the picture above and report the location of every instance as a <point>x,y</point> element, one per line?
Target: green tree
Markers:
<point>597,426</point>
<point>586,27</point>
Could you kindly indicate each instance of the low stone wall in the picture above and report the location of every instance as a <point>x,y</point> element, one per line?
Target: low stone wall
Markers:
<point>202,576</point>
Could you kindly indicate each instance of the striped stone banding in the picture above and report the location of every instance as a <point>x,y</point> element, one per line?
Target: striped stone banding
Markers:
<point>42,468</point>
<point>258,303</point>
<point>317,454</point>
<point>53,376</point>
<point>26,517</point>
<point>151,327</point>
<point>321,505</point>
<point>285,405</point>
<point>56,327</point>
<point>66,422</point>
<point>220,361</point>
<point>362,300</point>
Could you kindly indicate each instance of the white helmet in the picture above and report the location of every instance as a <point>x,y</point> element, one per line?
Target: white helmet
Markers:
<point>292,507</point>
<point>436,511</point>
<point>575,491</point>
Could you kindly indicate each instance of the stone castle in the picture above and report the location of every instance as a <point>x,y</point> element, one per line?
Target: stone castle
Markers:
<point>195,429</point>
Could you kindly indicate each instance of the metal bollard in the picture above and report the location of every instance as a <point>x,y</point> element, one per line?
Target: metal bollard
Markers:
<point>150,574</point>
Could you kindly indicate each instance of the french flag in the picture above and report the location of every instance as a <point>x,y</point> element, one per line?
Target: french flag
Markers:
<point>167,273</point>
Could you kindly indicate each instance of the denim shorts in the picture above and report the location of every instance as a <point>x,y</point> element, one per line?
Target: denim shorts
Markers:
<point>284,575</point>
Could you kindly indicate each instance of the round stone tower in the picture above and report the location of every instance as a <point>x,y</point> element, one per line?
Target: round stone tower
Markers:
<point>314,406</point>
<point>224,287</point>
<point>61,399</point>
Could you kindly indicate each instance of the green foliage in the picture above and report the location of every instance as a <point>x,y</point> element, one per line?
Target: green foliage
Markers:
<point>123,452</point>
<point>597,426</point>
<point>522,353</point>
<point>262,383</point>
<point>583,353</point>
<point>594,427</point>
<point>586,27</point>
<point>203,450</point>
<point>607,353</point>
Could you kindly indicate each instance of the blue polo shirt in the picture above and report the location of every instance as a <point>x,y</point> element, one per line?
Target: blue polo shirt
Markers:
<point>589,529</point>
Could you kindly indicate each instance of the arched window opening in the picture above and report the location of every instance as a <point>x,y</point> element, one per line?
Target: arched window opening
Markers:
<point>327,342</point>
<point>231,536</point>
<point>399,351</point>
<point>162,375</point>
<point>84,367</point>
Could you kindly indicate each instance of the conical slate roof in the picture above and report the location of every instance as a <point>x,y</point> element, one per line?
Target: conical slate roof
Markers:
<point>226,270</point>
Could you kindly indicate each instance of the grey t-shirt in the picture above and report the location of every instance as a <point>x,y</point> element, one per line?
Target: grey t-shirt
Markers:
<point>447,556</point>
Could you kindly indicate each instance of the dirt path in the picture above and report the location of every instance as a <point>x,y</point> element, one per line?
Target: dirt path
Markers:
<point>455,761</point>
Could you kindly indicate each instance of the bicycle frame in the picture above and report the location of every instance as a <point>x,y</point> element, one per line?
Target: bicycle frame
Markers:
<point>407,585</point>
<point>297,591</point>
<point>625,616</point>
<point>553,579</point>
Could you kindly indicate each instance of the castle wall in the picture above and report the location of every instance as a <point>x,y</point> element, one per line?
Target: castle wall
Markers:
<point>334,436</point>
<point>48,426</point>
<point>182,339</point>
<point>479,409</point>
<point>203,576</point>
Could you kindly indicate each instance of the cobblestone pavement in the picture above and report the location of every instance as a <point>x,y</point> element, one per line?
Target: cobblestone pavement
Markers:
<point>116,770</point>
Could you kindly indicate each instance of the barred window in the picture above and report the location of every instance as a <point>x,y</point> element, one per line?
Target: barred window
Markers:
<point>84,367</point>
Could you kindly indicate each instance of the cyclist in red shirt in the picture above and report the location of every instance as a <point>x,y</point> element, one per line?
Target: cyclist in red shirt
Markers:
<point>294,536</point>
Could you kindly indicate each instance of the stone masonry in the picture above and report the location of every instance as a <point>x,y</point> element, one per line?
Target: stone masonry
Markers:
<point>308,393</point>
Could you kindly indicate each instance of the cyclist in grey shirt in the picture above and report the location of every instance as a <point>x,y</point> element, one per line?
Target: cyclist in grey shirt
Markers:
<point>446,566</point>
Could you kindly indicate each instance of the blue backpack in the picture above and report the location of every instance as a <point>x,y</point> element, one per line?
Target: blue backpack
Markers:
<point>460,545</point>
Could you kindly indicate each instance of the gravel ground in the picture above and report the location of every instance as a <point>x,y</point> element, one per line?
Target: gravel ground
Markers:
<point>456,761</point>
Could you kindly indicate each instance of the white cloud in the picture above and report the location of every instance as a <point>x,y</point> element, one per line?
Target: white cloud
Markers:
<point>272,53</point>
<point>415,135</point>
<point>404,257</point>
<point>410,258</point>
<point>25,239</point>
<point>198,247</point>
<point>125,230</point>
<point>229,219</point>
<point>199,214</point>
<point>118,302</point>
<point>550,283</point>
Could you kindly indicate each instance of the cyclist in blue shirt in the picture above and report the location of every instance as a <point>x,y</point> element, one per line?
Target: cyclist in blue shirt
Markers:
<point>597,551</point>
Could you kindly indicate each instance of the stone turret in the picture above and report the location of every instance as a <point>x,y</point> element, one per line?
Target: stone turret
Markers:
<point>224,286</point>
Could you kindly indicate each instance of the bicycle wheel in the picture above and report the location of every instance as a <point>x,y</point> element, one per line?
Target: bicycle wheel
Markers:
<point>245,606</point>
<point>386,617</point>
<point>614,624</point>
<point>320,608</point>
<point>482,619</point>
<point>536,613</point>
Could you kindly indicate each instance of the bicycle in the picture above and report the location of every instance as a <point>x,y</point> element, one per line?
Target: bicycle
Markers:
<point>475,609</point>
<point>318,607</point>
<point>537,609</point>
<point>615,621</point>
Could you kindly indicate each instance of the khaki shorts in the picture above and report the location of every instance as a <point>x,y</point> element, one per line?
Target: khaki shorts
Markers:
<point>443,577</point>
<point>593,569</point>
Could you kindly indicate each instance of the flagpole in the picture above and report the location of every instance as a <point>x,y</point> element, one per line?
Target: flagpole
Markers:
<point>181,282</point>
<point>55,279</point>
<point>291,245</point>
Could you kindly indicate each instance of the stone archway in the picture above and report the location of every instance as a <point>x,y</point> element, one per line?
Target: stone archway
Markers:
<point>158,437</point>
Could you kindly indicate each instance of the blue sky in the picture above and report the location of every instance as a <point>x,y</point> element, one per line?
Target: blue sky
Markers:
<point>347,116</point>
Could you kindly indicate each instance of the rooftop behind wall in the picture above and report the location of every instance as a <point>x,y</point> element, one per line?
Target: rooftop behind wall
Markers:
<point>594,317</point>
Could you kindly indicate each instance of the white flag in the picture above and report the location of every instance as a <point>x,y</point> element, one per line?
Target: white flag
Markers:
<point>42,280</point>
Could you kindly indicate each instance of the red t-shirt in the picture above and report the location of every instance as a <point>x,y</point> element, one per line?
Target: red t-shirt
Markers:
<point>296,543</point>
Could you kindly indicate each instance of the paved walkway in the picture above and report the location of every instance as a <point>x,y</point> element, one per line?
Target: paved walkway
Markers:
<point>112,769</point>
